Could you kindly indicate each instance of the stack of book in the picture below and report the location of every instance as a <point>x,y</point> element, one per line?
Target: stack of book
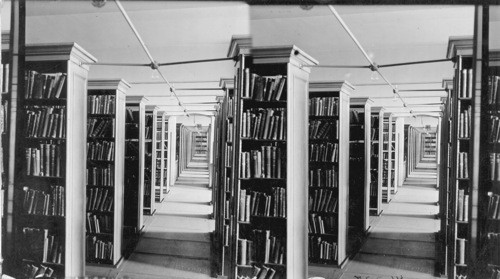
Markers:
<point>464,121</point>
<point>323,129</point>
<point>99,223</point>
<point>44,160</point>
<point>98,127</point>
<point>462,206</point>
<point>322,224</point>
<point>100,176</point>
<point>323,106</point>
<point>263,247</point>
<point>38,202</point>
<point>99,199</point>
<point>493,88</point>
<point>101,151</point>
<point>493,206</point>
<point>324,152</point>
<point>101,104</point>
<point>323,178</point>
<point>45,122</point>
<point>37,271</point>
<point>466,84</point>
<point>261,272</point>
<point>42,245</point>
<point>99,249</point>
<point>44,86</point>
<point>264,163</point>
<point>321,249</point>
<point>321,200</point>
<point>463,165</point>
<point>263,88</point>
<point>253,203</point>
<point>264,123</point>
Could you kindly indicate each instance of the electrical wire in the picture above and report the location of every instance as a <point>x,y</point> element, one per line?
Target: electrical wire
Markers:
<point>154,65</point>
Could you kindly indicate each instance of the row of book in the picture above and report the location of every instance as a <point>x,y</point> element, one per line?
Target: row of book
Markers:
<point>494,166</point>
<point>50,203</point>
<point>494,248</point>
<point>45,121</point>
<point>31,271</point>
<point>99,223</point>
<point>494,129</point>
<point>99,199</point>
<point>356,117</point>
<point>324,106</point>
<point>465,84</point>
<point>463,165</point>
<point>44,161</point>
<point>322,224</point>
<point>493,90</point>
<point>464,123</point>
<point>229,156</point>
<point>42,245</point>
<point>259,123</point>
<point>98,127</point>
<point>261,272</point>
<point>229,131</point>
<point>324,152</point>
<point>323,178</point>
<point>148,132</point>
<point>230,107</point>
<point>98,249</point>
<point>320,249</point>
<point>44,85</point>
<point>321,200</point>
<point>100,176</point>
<point>253,203</point>
<point>102,151</point>
<point>262,88</point>
<point>261,248</point>
<point>227,186</point>
<point>323,129</point>
<point>101,104</point>
<point>493,206</point>
<point>264,163</point>
<point>4,77</point>
<point>460,254</point>
<point>462,206</point>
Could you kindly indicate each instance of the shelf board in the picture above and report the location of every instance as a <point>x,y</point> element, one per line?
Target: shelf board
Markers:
<point>261,140</point>
<point>263,178</point>
<point>43,138</point>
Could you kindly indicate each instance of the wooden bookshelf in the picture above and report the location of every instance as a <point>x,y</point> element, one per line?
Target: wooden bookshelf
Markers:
<point>486,93</point>
<point>134,165</point>
<point>146,138</point>
<point>461,186</point>
<point>444,172</point>
<point>105,179</point>
<point>4,131</point>
<point>282,182</point>
<point>335,217</point>
<point>377,118</point>
<point>158,155</point>
<point>360,159</point>
<point>227,138</point>
<point>386,156</point>
<point>58,171</point>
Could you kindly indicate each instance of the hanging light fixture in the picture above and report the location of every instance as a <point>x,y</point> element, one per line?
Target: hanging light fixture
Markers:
<point>98,3</point>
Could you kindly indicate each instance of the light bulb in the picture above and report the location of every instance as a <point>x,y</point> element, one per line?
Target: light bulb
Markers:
<point>154,74</point>
<point>374,75</point>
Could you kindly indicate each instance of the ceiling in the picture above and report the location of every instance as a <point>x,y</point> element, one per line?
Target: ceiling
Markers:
<point>188,30</point>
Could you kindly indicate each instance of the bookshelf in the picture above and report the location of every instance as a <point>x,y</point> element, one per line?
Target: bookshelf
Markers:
<point>146,138</point>
<point>273,165</point>
<point>444,177</point>
<point>228,123</point>
<point>360,159</point>
<point>488,210</point>
<point>376,164</point>
<point>169,151</point>
<point>105,168</point>
<point>393,148</point>
<point>134,165</point>
<point>461,245</point>
<point>157,153</point>
<point>51,163</point>
<point>329,177</point>
<point>386,155</point>
<point>4,129</point>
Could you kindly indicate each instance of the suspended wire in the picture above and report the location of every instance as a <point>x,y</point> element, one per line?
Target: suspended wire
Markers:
<point>154,65</point>
<point>373,65</point>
